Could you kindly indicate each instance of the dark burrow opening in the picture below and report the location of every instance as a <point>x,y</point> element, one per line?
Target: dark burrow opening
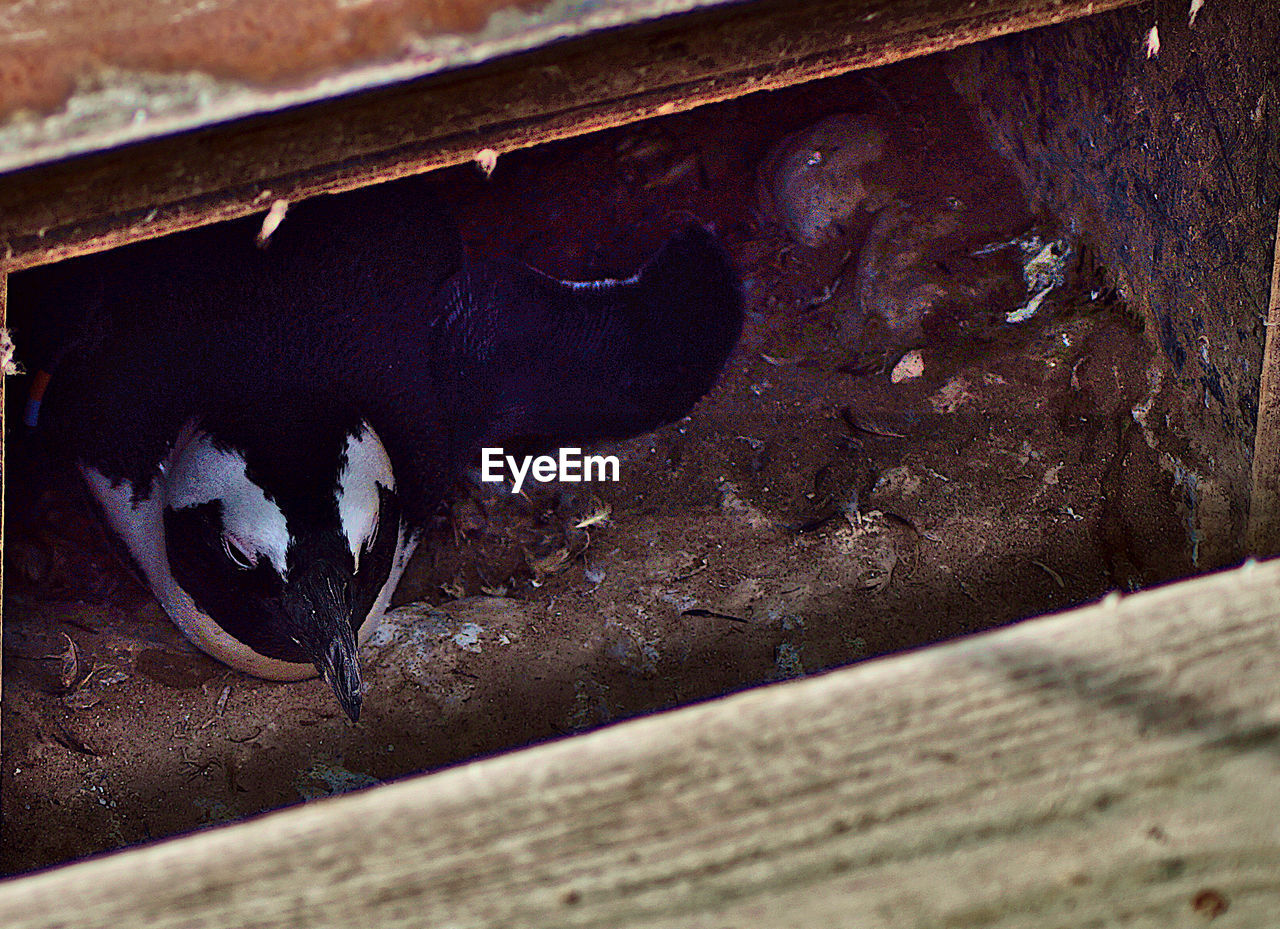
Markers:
<point>940,419</point>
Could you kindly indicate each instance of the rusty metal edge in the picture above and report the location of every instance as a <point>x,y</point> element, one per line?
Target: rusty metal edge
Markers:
<point>114,223</point>
<point>220,101</point>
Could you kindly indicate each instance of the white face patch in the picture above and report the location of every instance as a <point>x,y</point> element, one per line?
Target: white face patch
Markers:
<point>141,527</point>
<point>201,473</point>
<point>367,466</point>
<point>196,473</point>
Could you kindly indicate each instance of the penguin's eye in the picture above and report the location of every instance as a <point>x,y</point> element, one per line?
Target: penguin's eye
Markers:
<point>237,555</point>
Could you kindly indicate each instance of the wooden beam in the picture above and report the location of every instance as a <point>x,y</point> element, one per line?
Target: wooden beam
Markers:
<point>7,367</point>
<point>79,78</point>
<point>87,204</point>
<point>1263,536</point>
<point>1115,765</point>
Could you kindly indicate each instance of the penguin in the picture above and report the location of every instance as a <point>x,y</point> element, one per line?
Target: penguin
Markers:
<point>268,428</point>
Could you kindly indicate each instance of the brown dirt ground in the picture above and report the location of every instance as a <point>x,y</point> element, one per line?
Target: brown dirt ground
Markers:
<point>1012,479</point>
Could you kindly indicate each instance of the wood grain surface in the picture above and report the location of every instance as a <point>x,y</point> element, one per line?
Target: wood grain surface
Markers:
<point>1264,504</point>
<point>84,75</point>
<point>1115,765</point>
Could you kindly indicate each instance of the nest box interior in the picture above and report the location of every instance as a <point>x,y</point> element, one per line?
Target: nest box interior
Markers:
<point>1001,357</point>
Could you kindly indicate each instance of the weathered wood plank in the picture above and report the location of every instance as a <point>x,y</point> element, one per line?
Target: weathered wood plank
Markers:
<point>1264,505</point>
<point>6,366</point>
<point>677,63</point>
<point>86,76</point>
<point>1116,765</point>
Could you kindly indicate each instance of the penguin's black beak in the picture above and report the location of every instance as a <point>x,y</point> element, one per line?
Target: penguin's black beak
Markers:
<point>318,605</point>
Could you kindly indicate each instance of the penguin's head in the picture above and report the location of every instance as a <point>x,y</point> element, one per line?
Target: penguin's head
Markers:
<point>282,546</point>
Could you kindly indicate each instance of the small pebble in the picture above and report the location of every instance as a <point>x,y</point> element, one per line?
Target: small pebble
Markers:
<point>909,368</point>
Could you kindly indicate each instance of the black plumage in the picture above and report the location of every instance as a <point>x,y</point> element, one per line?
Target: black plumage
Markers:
<point>362,311</point>
<point>365,305</point>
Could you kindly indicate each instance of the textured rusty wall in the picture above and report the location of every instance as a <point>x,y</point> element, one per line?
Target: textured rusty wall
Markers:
<point>1169,165</point>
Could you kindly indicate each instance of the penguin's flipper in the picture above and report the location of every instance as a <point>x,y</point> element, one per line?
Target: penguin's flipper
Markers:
<point>604,359</point>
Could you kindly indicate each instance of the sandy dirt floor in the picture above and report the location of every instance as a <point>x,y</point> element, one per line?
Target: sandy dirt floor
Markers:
<point>810,513</point>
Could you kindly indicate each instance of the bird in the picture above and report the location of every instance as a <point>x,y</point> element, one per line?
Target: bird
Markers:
<point>267,424</point>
